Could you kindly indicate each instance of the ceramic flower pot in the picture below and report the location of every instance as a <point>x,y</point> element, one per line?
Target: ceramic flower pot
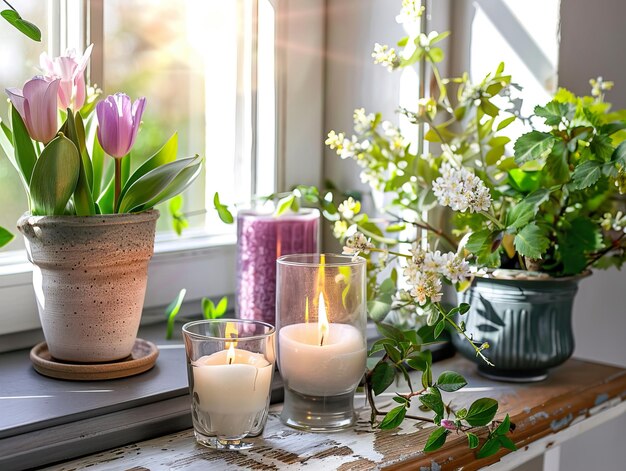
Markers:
<point>527,323</point>
<point>89,275</point>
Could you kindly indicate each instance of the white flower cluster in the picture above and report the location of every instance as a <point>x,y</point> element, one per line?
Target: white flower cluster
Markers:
<point>461,190</point>
<point>411,12</point>
<point>385,56</point>
<point>356,244</point>
<point>616,223</point>
<point>599,85</point>
<point>396,141</point>
<point>349,208</point>
<point>363,122</point>
<point>425,269</point>
<point>346,148</point>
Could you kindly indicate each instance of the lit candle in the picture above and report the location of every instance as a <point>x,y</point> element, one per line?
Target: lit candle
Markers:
<point>232,387</point>
<point>323,358</point>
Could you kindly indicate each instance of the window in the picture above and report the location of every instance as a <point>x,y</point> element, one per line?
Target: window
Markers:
<point>207,68</point>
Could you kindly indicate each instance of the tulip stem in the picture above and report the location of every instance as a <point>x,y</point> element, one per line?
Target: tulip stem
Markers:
<point>118,184</point>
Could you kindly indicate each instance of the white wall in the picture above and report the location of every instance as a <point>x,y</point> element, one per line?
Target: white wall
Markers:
<point>592,44</point>
<point>592,41</point>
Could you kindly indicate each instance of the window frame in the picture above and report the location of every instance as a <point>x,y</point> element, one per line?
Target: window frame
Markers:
<point>204,265</point>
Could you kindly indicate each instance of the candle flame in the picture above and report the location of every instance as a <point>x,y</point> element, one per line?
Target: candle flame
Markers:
<point>322,319</point>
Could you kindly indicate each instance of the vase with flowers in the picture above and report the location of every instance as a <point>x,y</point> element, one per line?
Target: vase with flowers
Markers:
<point>90,229</point>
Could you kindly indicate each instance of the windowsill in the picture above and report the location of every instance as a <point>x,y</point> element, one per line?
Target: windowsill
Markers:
<point>72,418</point>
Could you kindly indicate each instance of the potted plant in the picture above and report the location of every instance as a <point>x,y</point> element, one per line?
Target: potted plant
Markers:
<point>90,229</point>
<point>533,218</point>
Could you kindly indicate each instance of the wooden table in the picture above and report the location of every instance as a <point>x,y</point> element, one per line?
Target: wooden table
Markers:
<point>576,397</point>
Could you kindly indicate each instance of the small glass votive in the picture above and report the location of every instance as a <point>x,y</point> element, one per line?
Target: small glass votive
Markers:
<point>230,364</point>
<point>321,319</point>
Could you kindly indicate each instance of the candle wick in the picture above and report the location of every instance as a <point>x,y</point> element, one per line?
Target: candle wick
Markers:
<point>230,361</point>
<point>322,341</point>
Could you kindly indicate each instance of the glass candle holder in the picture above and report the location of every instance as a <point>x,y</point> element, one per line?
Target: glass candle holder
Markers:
<point>321,320</point>
<point>230,364</point>
<point>261,239</point>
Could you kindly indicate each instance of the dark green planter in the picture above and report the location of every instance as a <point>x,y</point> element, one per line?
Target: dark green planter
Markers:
<point>527,323</point>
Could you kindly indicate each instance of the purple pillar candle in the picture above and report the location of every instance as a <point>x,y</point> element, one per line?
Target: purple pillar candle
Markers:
<point>261,239</point>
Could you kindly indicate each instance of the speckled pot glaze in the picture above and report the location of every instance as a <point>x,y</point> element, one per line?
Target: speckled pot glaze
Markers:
<point>90,277</point>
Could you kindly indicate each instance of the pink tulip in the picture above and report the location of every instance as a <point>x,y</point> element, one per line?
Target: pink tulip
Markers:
<point>70,69</point>
<point>37,105</point>
<point>118,123</point>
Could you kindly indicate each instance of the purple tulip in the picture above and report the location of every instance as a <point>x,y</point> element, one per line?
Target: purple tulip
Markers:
<point>118,123</point>
<point>37,105</point>
<point>70,69</point>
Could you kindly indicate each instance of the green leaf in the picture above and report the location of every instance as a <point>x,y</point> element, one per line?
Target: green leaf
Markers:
<point>586,174</point>
<point>97,163</point>
<point>382,377</point>
<point>427,376</point>
<point>451,381</point>
<point>531,241</point>
<point>524,180</point>
<point>23,148</point>
<point>165,155</point>
<point>472,440</point>
<point>284,204</point>
<point>481,244</point>
<point>489,448</point>
<point>556,163</point>
<point>83,200</point>
<point>433,401</point>
<point>504,427</point>
<point>393,418</point>
<point>222,210</point>
<point>419,360</point>
<point>436,439</point>
<point>221,307</point>
<point>23,26</point>
<point>390,331</point>
<point>601,147</point>
<point>207,308</point>
<point>54,177</point>
<point>581,236</point>
<point>441,325</point>
<point>482,412</point>
<point>555,111</point>
<point>150,185</point>
<point>534,145</point>
<point>505,122</point>
<point>619,154</point>
<point>507,443</point>
<point>520,215</point>
<point>379,308</point>
<point>172,310</point>
<point>5,237</point>
<point>180,183</point>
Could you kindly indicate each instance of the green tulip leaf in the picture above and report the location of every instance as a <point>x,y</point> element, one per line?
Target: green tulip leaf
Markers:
<point>164,155</point>
<point>171,311</point>
<point>5,237</point>
<point>23,26</point>
<point>54,177</point>
<point>83,199</point>
<point>97,163</point>
<point>23,148</point>
<point>149,186</point>
<point>177,186</point>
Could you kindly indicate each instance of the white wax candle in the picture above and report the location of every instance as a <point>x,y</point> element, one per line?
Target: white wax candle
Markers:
<point>232,394</point>
<point>334,368</point>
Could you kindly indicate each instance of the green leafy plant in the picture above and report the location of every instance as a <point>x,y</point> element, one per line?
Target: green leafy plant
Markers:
<point>210,310</point>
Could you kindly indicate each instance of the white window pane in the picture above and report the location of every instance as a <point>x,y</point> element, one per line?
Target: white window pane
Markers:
<point>19,61</point>
<point>182,56</point>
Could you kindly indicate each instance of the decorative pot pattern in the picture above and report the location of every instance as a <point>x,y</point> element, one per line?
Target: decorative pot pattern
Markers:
<point>527,323</point>
<point>90,276</point>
